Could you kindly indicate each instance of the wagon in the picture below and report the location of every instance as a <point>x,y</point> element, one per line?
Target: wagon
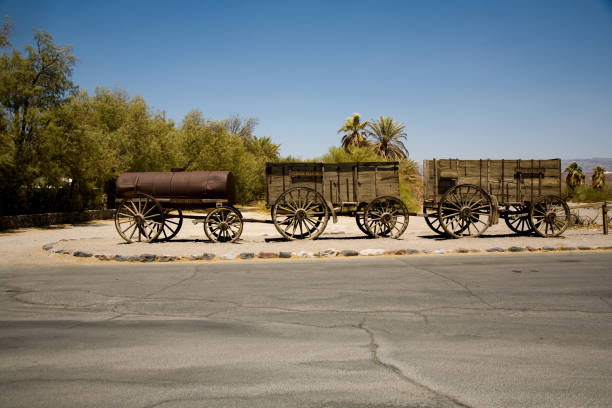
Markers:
<point>150,204</point>
<point>464,197</point>
<point>302,197</point>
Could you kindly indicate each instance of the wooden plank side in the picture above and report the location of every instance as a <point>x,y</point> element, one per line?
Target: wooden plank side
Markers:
<point>337,182</point>
<point>387,181</point>
<point>366,183</point>
<point>509,180</point>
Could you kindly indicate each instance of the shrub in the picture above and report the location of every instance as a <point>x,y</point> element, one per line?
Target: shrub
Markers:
<point>588,194</point>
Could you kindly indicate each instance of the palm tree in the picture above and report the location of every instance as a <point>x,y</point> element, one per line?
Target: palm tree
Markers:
<point>355,132</point>
<point>598,179</point>
<point>575,176</point>
<point>386,138</point>
<point>264,147</point>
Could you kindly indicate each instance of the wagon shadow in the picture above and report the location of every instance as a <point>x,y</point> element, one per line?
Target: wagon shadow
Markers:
<point>443,238</point>
<point>281,239</point>
<point>184,240</point>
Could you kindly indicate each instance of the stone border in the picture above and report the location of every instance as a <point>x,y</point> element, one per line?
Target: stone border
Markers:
<point>327,253</point>
<point>42,220</point>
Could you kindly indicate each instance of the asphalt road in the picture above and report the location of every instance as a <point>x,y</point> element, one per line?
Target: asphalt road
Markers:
<point>434,331</point>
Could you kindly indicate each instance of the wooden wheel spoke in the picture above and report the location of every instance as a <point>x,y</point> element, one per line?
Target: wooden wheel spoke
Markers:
<point>311,205</point>
<point>126,207</point>
<point>295,225</point>
<point>454,203</point>
<point>151,208</point>
<point>280,207</point>
<point>481,207</point>
<point>136,212</point>
<point>447,216</point>
<point>133,224</point>
<point>560,224</point>
<point>289,223</point>
<point>313,223</point>
<point>291,206</point>
<point>120,214</point>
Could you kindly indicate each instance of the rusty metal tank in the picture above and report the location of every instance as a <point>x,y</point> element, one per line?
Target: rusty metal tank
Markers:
<point>181,189</point>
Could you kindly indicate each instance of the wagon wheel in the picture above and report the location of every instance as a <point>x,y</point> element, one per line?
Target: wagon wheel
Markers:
<point>549,216</point>
<point>223,224</point>
<point>360,219</point>
<point>517,218</point>
<point>310,228</point>
<point>465,210</point>
<point>139,218</point>
<point>173,221</point>
<point>300,213</point>
<point>432,220</point>
<point>386,216</point>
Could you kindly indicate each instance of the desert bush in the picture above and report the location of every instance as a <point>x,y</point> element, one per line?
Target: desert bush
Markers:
<point>587,194</point>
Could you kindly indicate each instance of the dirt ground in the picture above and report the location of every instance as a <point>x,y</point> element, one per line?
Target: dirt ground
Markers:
<point>24,246</point>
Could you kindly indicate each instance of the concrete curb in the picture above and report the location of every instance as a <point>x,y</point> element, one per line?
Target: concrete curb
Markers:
<point>327,253</point>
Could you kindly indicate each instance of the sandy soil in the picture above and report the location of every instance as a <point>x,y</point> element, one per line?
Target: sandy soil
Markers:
<point>100,237</point>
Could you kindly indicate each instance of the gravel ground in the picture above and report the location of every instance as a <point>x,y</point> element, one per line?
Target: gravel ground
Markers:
<point>100,237</point>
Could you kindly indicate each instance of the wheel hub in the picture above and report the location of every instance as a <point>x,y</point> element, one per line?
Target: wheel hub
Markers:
<point>224,226</point>
<point>139,219</point>
<point>550,217</point>
<point>465,213</point>
<point>300,214</point>
<point>386,218</point>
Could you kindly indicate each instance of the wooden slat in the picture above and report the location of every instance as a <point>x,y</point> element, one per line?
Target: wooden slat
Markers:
<point>509,180</point>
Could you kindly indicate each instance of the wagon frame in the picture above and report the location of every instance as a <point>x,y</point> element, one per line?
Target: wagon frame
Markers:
<point>464,197</point>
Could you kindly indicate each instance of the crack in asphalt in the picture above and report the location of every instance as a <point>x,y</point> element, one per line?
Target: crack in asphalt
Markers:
<point>373,346</point>
<point>456,282</point>
<point>606,301</point>
<point>419,312</point>
<point>193,274</point>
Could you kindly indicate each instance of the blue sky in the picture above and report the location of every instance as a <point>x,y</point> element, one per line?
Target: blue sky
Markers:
<point>470,79</point>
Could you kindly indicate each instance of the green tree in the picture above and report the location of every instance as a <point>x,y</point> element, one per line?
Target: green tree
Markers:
<point>575,176</point>
<point>208,145</point>
<point>386,138</point>
<point>598,179</point>
<point>5,32</point>
<point>32,87</point>
<point>354,132</point>
<point>350,154</point>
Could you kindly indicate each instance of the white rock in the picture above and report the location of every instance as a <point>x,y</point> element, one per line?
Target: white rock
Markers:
<point>371,252</point>
<point>229,256</point>
<point>330,253</point>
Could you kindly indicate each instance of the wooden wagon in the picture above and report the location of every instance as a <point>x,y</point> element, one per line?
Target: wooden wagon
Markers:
<point>301,196</point>
<point>464,197</point>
